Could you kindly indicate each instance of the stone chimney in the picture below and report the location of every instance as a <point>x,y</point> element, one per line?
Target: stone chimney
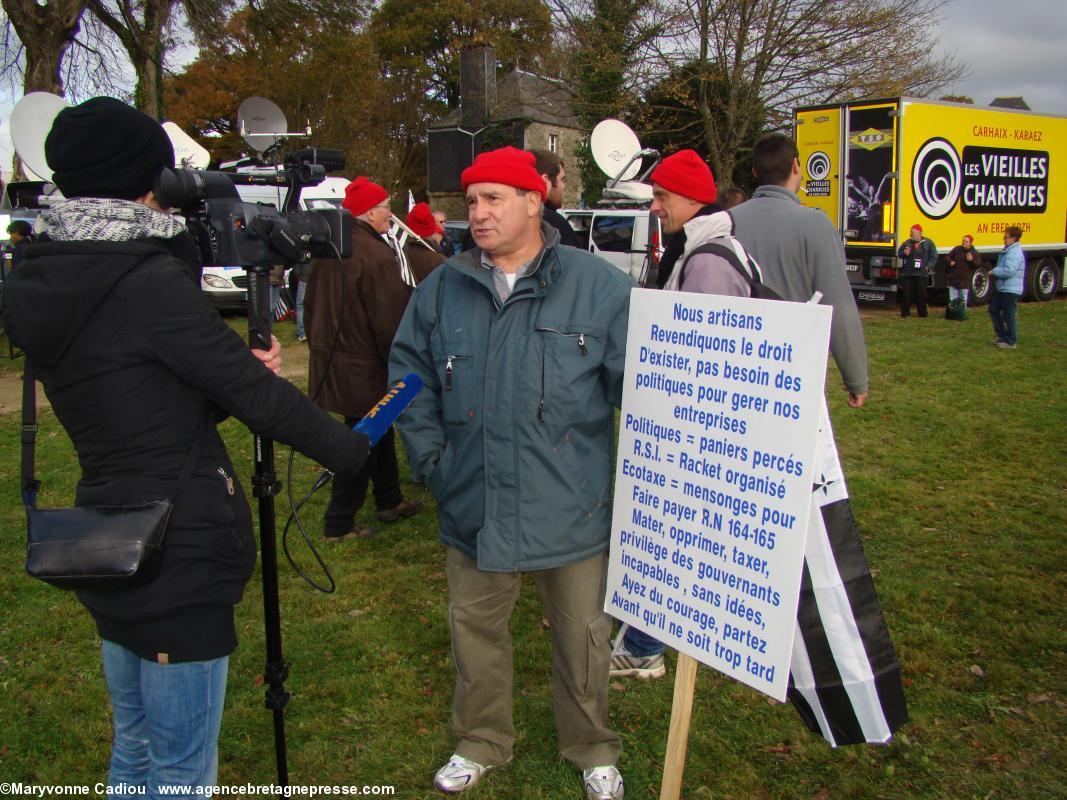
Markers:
<point>477,85</point>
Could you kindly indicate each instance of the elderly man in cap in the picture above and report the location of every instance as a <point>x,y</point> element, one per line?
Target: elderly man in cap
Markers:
<point>422,253</point>
<point>352,309</point>
<point>683,189</point>
<point>520,344</point>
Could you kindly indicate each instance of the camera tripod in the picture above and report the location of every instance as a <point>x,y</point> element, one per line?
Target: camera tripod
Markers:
<point>265,486</point>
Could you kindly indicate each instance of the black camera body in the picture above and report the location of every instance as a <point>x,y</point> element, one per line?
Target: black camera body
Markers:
<point>231,232</point>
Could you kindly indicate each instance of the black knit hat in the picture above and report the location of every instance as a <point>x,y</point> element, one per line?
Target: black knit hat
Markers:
<point>105,148</point>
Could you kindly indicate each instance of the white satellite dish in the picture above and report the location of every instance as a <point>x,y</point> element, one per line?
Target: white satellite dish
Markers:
<point>31,120</point>
<point>261,123</point>
<point>187,151</point>
<point>615,147</point>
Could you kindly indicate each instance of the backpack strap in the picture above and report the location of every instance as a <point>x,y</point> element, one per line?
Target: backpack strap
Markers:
<point>722,247</point>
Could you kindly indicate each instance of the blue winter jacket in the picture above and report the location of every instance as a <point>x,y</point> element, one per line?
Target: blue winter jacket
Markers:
<point>1011,265</point>
<point>514,431</point>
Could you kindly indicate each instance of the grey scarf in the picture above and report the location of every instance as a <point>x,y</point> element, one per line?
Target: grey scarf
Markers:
<point>101,219</point>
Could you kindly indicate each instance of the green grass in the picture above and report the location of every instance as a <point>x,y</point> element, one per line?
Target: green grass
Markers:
<point>956,470</point>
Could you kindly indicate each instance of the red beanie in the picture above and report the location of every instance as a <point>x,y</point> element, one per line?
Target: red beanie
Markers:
<point>685,173</point>
<point>420,219</point>
<point>917,227</point>
<point>362,194</point>
<point>509,166</point>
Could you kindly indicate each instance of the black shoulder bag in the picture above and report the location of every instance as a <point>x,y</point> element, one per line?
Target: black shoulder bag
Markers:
<point>96,548</point>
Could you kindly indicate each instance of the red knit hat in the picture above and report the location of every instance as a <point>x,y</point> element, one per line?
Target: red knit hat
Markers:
<point>421,220</point>
<point>362,194</point>
<point>509,166</point>
<point>686,173</point>
<point>917,227</point>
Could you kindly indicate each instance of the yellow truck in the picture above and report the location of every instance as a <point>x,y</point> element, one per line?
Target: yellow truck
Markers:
<point>877,167</point>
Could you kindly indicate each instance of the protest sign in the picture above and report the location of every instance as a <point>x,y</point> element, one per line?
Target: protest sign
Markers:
<point>721,409</point>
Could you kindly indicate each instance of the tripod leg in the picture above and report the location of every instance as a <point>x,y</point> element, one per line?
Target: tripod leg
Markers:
<point>265,487</point>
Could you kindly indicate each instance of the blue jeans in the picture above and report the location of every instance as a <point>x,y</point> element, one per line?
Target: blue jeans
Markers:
<point>953,294</point>
<point>167,719</point>
<point>300,287</point>
<point>638,643</point>
<point>1002,311</point>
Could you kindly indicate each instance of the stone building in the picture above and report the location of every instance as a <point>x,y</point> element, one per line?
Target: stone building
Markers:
<point>521,109</point>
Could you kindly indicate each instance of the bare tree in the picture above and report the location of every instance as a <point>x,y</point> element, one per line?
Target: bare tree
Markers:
<point>141,26</point>
<point>776,55</point>
<point>45,32</point>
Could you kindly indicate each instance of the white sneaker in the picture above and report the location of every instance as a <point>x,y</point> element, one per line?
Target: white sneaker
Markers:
<point>458,775</point>
<point>603,783</point>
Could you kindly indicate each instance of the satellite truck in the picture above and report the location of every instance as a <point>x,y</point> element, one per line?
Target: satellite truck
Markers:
<point>877,167</point>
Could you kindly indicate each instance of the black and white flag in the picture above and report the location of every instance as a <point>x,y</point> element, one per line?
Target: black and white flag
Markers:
<point>844,677</point>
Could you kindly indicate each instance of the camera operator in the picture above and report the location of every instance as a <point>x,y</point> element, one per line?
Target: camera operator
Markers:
<point>139,369</point>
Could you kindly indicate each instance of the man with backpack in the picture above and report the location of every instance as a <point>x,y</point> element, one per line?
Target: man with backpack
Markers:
<point>801,253</point>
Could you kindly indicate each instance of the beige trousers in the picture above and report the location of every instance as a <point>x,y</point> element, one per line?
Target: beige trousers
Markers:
<point>480,607</point>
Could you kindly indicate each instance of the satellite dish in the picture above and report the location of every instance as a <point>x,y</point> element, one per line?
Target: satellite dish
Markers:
<point>31,120</point>
<point>615,147</point>
<point>261,123</point>
<point>187,151</point>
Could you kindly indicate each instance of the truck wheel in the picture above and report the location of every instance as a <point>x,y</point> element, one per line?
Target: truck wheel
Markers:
<point>981,287</point>
<point>1044,279</point>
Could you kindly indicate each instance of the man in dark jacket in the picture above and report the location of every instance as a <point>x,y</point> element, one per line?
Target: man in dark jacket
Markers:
<point>917,258</point>
<point>554,174</point>
<point>139,368</point>
<point>421,252</point>
<point>961,263</point>
<point>520,344</point>
<point>351,311</point>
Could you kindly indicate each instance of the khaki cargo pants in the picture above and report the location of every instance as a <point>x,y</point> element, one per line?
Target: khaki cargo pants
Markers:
<point>480,607</point>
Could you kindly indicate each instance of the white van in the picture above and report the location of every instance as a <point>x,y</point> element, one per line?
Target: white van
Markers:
<point>227,286</point>
<point>628,237</point>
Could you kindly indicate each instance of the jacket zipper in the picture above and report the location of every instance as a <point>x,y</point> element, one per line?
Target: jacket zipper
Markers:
<point>448,371</point>
<point>581,347</point>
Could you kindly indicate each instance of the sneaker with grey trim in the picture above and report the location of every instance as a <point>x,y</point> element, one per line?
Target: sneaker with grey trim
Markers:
<point>626,665</point>
<point>603,783</point>
<point>459,774</point>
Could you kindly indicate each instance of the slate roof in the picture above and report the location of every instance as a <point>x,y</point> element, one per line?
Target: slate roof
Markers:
<point>521,94</point>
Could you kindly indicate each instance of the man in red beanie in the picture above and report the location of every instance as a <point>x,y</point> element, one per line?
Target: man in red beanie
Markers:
<point>352,309</point>
<point>520,344</point>
<point>917,258</point>
<point>422,253</point>
<point>683,188</point>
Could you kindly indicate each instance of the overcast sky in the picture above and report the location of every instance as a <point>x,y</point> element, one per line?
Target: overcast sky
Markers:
<point>1010,48</point>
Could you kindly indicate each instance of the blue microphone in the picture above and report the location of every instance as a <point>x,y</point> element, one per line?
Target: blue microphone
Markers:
<point>384,414</point>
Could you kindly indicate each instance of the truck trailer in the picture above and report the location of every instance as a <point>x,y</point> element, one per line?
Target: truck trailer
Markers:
<point>877,167</point>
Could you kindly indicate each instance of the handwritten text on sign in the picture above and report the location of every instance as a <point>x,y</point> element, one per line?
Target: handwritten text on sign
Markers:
<point>713,483</point>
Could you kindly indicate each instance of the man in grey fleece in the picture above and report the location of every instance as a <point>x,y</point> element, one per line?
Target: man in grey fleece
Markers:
<point>801,253</point>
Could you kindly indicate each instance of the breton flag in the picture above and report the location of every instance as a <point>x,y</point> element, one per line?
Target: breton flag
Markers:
<point>844,677</point>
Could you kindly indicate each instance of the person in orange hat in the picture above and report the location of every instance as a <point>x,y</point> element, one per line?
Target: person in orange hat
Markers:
<point>422,253</point>
<point>351,311</point>
<point>520,344</point>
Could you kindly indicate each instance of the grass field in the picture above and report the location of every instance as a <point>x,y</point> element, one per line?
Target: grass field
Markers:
<point>956,471</point>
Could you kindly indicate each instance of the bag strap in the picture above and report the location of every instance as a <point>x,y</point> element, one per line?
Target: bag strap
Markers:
<point>31,486</point>
<point>751,275</point>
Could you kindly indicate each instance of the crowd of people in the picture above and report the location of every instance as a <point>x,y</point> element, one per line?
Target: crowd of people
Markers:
<point>512,435</point>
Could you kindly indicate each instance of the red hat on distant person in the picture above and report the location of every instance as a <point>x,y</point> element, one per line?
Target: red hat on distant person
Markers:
<point>509,166</point>
<point>362,194</point>
<point>917,227</point>
<point>686,173</point>
<point>421,220</point>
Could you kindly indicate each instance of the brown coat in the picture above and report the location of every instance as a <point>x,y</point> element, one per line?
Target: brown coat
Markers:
<point>422,260</point>
<point>358,303</point>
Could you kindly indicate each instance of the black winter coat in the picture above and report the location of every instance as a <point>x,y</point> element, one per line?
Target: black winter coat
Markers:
<point>132,358</point>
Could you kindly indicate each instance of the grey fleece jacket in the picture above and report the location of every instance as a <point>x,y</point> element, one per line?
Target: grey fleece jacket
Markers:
<point>801,253</point>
